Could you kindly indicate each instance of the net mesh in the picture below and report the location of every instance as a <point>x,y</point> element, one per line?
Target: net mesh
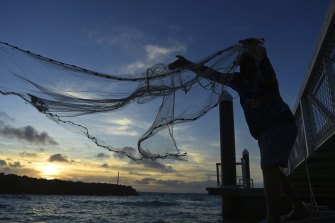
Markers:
<point>130,114</point>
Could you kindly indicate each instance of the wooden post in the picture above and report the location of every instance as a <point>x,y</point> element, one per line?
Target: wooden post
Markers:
<point>246,168</point>
<point>218,177</point>
<point>227,144</point>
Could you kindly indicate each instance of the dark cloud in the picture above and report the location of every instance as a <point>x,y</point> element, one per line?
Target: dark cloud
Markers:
<point>145,181</point>
<point>171,183</point>
<point>27,133</point>
<point>148,163</point>
<point>183,186</point>
<point>126,150</point>
<point>15,164</point>
<point>103,155</point>
<point>131,172</point>
<point>25,154</point>
<point>155,164</point>
<point>58,158</point>
<point>105,165</point>
<point>3,163</point>
<point>194,185</point>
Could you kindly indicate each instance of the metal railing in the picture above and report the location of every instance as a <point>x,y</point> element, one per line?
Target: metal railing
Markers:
<point>315,110</point>
<point>241,178</point>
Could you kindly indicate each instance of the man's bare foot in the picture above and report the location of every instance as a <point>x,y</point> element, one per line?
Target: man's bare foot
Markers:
<point>295,214</point>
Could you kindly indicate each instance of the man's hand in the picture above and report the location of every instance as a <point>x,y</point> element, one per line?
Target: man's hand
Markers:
<point>181,62</point>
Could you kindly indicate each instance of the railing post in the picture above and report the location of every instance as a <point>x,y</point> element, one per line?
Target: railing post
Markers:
<point>308,135</point>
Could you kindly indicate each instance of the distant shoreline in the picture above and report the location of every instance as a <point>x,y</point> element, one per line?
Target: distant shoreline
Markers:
<point>14,184</point>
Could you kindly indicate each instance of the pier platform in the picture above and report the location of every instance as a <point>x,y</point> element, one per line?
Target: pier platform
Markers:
<point>248,205</point>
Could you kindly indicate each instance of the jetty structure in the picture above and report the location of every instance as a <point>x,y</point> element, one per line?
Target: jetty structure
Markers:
<point>312,160</point>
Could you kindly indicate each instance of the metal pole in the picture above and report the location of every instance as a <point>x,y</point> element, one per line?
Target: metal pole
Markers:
<point>227,144</point>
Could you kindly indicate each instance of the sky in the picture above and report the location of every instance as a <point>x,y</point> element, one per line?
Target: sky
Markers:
<point>118,37</point>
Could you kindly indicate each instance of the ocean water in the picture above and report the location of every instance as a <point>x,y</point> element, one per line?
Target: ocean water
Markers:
<point>148,207</point>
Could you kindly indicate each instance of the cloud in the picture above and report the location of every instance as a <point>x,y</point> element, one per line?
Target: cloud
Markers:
<point>125,150</point>
<point>183,186</point>
<point>136,43</point>
<point>121,121</point>
<point>154,164</point>
<point>136,173</point>
<point>102,155</point>
<point>105,165</point>
<point>121,126</point>
<point>121,130</point>
<point>27,133</point>
<point>135,66</point>
<point>3,163</point>
<point>25,154</point>
<point>15,164</point>
<point>153,54</point>
<point>145,181</point>
<point>148,163</point>
<point>58,158</point>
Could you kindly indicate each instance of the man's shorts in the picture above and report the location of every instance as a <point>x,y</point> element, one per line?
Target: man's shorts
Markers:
<point>275,144</point>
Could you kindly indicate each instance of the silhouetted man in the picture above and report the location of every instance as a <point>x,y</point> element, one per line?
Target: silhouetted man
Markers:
<point>269,119</point>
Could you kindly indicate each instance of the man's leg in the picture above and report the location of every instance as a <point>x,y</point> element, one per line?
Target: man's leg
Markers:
<point>272,189</point>
<point>298,208</point>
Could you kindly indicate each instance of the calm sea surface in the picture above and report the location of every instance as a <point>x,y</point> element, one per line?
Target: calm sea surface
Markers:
<point>148,207</point>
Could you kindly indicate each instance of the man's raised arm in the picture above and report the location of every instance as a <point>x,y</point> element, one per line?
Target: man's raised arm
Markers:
<point>201,70</point>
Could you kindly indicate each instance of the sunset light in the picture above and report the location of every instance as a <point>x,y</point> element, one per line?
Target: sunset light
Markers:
<point>167,111</point>
<point>49,171</point>
<point>136,45</point>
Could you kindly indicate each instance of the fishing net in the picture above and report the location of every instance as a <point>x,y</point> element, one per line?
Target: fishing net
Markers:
<point>130,114</point>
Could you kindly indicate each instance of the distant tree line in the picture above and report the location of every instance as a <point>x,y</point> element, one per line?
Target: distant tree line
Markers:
<point>13,184</point>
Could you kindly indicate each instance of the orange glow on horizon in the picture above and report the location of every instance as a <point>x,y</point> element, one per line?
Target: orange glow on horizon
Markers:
<point>49,171</point>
